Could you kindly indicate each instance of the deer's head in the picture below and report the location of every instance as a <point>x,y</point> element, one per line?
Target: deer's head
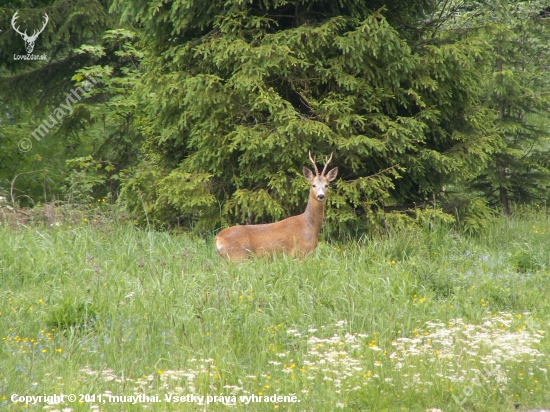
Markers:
<point>29,40</point>
<point>319,182</point>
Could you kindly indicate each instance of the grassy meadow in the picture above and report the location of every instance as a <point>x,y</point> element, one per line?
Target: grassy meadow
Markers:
<point>417,320</point>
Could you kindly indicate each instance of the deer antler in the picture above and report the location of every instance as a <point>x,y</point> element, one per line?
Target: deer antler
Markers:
<point>314,165</point>
<point>37,32</point>
<point>326,164</point>
<point>25,35</point>
<point>17,28</point>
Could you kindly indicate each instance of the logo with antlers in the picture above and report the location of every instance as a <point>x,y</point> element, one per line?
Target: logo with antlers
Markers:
<point>29,40</point>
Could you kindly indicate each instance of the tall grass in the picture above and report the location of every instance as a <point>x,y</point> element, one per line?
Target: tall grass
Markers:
<point>112,309</point>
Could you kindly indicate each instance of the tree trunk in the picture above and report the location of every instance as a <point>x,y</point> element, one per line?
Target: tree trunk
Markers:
<point>504,192</point>
<point>501,167</point>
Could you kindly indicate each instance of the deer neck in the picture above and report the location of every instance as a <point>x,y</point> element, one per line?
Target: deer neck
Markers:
<point>315,212</point>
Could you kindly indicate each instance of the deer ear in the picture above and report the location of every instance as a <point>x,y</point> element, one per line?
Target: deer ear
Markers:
<point>308,174</point>
<point>332,174</point>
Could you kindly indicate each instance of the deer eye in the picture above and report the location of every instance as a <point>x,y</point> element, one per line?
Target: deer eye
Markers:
<point>314,186</point>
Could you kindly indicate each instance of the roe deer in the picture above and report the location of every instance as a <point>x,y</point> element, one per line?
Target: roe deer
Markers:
<point>296,235</point>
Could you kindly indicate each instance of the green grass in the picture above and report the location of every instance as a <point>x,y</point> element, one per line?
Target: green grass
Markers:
<point>93,309</point>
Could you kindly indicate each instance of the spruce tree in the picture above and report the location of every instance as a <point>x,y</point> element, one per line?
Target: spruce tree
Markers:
<point>77,45</point>
<point>70,24</point>
<point>517,90</point>
<point>236,93</point>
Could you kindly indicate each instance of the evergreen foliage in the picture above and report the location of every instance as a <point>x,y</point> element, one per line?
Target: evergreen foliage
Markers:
<point>100,125</point>
<point>517,90</point>
<point>435,110</point>
<point>71,24</point>
<point>235,96</point>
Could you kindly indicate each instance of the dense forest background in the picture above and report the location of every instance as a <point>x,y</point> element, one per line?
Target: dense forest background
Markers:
<point>201,114</point>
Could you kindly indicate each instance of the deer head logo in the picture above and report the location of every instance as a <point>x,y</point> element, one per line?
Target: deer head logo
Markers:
<point>29,40</point>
